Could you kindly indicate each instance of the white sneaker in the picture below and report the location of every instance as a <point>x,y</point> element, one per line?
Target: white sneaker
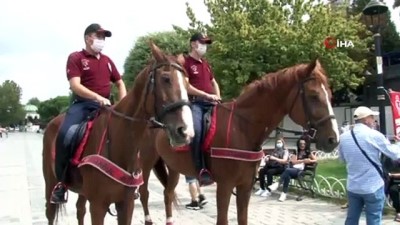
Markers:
<point>282,198</point>
<point>274,186</point>
<point>259,192</point>
<point>266,193</point>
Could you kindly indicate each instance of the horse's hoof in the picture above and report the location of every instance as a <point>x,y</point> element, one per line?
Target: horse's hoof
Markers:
<point>148,223</point>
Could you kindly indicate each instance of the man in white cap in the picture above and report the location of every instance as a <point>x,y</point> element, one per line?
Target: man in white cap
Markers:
<point>360,149</point>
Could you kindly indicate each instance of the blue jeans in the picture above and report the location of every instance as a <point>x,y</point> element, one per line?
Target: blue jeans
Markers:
<point>76,114</point>
<point>199,108</point>
<point>289,173</point>
<point>373,202</point>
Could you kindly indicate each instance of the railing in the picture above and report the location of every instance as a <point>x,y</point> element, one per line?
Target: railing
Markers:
<point>331,155</point>
<point>330,187</point>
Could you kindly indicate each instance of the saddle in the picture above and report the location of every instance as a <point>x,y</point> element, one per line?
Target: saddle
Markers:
<point>209,128</point>
<point>76,140</point>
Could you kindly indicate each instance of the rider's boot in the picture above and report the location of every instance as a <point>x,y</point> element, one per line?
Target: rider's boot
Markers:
<point>59,194</point>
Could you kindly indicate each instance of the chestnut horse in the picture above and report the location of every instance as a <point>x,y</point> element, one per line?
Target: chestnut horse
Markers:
<point>109,171</point>
<point>301,91</point>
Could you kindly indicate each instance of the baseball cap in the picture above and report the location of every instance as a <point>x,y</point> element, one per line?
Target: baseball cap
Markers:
<point>362,112</point>
<point>96,28</point>
<point>201,38</point>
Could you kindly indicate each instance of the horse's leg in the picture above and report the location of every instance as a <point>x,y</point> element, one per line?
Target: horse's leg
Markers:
<point>50,208</point>
<point>98,210</point>
<point>81,209</point>
<point>223,198</point>
<point>242,202</point>
<point>169,194</point>
<point>144,197</point>
<point>125,210</point>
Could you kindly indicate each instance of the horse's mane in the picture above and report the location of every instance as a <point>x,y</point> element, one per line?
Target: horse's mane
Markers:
<point>271,80</point>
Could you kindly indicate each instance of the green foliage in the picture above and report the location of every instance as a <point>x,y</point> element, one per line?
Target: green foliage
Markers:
<point>252,37</point>
<point>52,107</point>
<point>11,110</point>
<point>170,42</point>
<point>34,101</point>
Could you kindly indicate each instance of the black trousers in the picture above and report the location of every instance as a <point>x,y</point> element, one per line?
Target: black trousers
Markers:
<point>268,171</point>
<point>394,194</point>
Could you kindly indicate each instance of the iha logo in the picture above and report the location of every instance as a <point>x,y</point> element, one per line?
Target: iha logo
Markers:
<point>331,43</point>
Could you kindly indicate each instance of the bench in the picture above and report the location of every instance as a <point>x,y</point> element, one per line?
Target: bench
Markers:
<point>306,180</point>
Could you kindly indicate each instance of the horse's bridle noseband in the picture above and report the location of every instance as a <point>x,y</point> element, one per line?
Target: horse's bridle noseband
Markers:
<point>311,131</point>
<point>170,107</point>
<point>151,85</point>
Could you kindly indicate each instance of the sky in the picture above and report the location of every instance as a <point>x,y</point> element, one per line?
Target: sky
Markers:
<point>37,36</point>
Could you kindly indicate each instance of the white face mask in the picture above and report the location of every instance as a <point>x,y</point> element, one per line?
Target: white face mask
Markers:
<point>201,49</point>
<point>98,45</point>
<point>279,145</point>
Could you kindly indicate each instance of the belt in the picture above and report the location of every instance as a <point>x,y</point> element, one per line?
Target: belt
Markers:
<point>194,98</point>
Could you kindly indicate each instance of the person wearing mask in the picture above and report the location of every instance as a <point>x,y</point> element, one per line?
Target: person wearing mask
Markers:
<point>203,92</point>
<point>297,164</point>
<point>89,73</point>
<point>275,164</point>
<point>360,149</point>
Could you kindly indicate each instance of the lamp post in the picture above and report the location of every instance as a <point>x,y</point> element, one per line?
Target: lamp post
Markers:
<point>375,13</point>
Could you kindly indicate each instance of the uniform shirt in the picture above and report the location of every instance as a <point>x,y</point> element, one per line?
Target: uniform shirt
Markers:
<point>95,73</point>
<point>199,74</point>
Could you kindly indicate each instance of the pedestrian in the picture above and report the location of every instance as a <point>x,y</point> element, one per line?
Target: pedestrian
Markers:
<point>360,149</point>
<point>198,200</point>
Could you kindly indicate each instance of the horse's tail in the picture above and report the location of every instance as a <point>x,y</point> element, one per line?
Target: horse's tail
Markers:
<point>60,210</point>
<point>161,173</point>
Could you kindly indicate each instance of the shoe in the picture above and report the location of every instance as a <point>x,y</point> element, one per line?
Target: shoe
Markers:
<point>282,198</point>
<point>58,196</point>
<point>265,193</point>
<point>259,192</point>
<point>205,178</point>
<point>202,200</point>
<point>194,205</point>
<point>274,186</point>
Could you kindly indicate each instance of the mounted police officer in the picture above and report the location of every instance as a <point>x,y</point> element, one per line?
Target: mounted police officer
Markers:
<point>203,93</point>
<point>89,73</point>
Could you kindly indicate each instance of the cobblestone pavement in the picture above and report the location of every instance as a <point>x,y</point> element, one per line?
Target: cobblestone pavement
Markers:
<point>22,196</point>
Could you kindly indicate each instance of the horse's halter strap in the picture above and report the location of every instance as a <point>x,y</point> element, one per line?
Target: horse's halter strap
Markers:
<point>311,131</point>
<point>170,107</point>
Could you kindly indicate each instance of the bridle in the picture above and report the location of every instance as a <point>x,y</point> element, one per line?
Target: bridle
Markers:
<point>150,89</point>
<point>310,131</point>
<point>170,107</point>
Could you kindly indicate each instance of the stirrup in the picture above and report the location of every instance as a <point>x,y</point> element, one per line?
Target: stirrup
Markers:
<point>205,182</point>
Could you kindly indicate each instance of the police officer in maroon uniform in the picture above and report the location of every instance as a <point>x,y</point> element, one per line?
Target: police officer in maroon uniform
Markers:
<point>203,93</point>
<point>89,73</point>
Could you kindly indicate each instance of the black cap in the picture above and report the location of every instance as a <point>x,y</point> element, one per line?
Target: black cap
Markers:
<point>201,38</point>
<point>96,28</point>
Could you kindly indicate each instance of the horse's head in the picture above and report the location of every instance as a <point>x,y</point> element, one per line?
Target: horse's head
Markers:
<point>310,106</point>
<point>166,97</point>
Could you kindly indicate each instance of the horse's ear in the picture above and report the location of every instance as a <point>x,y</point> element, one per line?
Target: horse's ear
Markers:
<point>181,59</point>
<point>156,51</point>
<point>311,66</point>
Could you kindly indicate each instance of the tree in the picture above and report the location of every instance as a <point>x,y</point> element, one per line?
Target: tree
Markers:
<point>52,107</point>
<point>11,110</point>
<point>396,3</point>
<point>170,42</point>
<point>252,37</point>
<point>34,101</point>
